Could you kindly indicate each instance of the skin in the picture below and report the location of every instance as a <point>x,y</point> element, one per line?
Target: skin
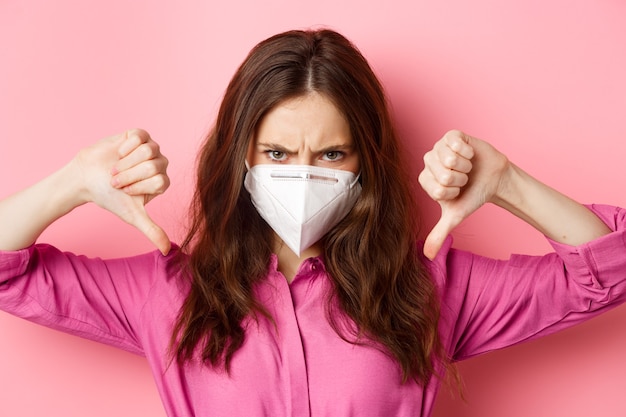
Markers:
<point>123,172</point>
<point>120,173</point>
<point>307,130</point>
<point>462,173</point>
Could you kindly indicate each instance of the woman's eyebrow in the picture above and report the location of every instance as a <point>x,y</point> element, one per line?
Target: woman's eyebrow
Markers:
<point>336,147</point>
<point>276,147</point>
<point>283,148</point>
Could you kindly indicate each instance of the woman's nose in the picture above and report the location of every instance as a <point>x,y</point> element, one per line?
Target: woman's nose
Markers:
<point>305,159</point>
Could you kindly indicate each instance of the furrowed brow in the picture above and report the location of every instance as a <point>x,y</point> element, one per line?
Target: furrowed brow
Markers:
<point>275,147</point>
<point>337,147</point>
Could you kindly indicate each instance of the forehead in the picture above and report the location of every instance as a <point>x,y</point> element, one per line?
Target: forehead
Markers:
<point>312,118</point>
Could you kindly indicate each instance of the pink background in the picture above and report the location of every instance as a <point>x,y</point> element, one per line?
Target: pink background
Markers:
<point>542,80</point>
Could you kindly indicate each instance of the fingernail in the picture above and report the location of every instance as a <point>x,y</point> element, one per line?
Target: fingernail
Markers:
<point>115,182</point>
<point>114,171</point>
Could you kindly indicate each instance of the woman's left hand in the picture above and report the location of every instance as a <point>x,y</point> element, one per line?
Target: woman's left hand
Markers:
<point>461,173</point>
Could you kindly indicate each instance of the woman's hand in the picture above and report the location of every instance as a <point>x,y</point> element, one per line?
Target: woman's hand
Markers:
<point>121,174</point>
<point>462,173</point>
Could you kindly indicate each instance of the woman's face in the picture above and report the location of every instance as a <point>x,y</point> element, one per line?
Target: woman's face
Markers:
<point>306,130</point>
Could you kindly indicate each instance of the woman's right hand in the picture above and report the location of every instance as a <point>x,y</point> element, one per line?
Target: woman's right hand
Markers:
<point>121,174</point>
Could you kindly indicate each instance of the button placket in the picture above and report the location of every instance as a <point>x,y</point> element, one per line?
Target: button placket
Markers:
<point>292,346</point>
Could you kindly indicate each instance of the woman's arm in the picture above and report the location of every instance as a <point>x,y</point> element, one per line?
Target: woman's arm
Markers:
<point>462,173</point>
<point>120,173</point>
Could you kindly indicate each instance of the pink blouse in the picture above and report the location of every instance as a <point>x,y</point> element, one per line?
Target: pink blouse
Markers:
<point>301,367</point>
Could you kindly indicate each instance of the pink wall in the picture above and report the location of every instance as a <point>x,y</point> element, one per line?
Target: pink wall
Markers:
<point>543,81</point>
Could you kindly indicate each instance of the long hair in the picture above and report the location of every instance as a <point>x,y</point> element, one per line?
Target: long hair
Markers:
<point>379,280</point>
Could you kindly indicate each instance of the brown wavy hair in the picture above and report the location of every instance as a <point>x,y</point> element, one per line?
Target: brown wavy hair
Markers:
<point>379,279</point>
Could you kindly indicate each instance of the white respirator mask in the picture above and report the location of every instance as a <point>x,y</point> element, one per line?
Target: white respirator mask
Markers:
<point>301,202</point>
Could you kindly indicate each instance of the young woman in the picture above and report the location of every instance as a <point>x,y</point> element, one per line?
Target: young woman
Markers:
<point>301,288</point>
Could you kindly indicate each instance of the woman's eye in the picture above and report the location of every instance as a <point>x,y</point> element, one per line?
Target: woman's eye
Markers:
<point>333,155</point>
<point>277,155</point>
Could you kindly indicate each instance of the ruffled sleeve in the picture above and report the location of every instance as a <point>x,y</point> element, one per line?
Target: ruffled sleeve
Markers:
<point>93,298</point>
<point>489,304</point>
